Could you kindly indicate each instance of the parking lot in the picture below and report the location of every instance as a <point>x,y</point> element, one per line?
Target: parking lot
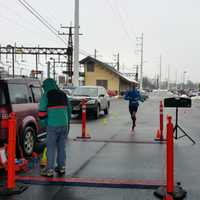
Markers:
<point>114,154</point>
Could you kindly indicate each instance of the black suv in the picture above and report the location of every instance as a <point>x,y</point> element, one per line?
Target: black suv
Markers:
<point>21,95</point>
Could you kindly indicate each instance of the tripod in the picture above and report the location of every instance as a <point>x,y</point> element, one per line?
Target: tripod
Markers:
<point>176,127</point>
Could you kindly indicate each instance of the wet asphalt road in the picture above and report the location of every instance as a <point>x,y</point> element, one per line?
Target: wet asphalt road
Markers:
<point>122,160</point>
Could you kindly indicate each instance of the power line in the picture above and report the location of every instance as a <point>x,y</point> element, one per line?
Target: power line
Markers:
<point>53,30</point>
<point>23,3</point>
<point>39,15</point>
<point>120,19</point>
<point>125,11</point>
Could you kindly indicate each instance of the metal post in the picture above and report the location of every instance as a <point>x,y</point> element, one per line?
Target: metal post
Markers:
<point>36,65</point>
<point>136,74</point>
<point>160,73</point>
<point>54,66</point>
<point>141,62</point>
<point>13,62</point>
<point>48,69</point>
<point>95,54</point>
<point>118,62</point>
<point>54,69</point>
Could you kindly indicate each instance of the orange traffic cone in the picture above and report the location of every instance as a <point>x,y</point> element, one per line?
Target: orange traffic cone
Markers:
<point>158,135</point>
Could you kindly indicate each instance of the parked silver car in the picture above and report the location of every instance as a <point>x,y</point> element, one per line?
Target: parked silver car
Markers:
<point>96,97</point>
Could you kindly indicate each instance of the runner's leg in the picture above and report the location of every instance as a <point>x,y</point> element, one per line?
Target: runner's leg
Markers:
<point>133,117</point>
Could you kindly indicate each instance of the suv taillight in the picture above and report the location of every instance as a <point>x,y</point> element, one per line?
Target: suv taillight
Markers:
<point>3,126</point>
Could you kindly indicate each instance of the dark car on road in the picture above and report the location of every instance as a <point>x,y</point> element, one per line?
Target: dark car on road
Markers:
<point>21,95</point>
<point>96,97</point>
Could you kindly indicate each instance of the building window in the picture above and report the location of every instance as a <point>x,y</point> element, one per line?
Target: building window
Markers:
<point>103,83</point>
<point>90,67</point>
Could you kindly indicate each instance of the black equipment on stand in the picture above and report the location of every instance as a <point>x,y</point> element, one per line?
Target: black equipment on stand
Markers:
<point>179,102</point>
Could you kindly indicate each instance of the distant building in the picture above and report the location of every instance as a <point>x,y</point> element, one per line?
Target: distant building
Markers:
<point>102,74</point>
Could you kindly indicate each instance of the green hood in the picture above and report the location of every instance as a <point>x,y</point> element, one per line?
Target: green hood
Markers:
<point>49,84</point>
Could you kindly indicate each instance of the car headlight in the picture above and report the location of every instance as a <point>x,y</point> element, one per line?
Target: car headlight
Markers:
<point>93,101</point>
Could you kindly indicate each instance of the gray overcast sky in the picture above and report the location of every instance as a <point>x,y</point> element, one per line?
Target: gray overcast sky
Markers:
<point>171,28</point>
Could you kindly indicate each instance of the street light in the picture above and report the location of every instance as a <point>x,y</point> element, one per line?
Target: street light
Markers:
<point>54,70</point>
<point>13,58</point>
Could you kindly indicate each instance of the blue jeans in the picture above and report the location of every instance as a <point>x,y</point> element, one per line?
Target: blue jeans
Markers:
<point>56,140</point>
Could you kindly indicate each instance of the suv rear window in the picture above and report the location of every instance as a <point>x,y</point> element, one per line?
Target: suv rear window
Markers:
<point>2,95</point>
<point>18,93</point>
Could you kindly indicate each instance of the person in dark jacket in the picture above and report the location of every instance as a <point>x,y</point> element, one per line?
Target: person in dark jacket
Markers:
<point>133,96</point>
<point>55,115</point>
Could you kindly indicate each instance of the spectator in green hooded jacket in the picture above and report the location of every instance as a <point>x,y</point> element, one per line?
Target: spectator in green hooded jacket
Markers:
<point>55,115</point>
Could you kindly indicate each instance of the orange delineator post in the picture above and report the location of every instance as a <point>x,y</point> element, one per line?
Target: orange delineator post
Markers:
<point>84,119</point>
<point>168,197</point>
<point>170,156</point>
<point>11,151</point>
<point>161,120</point>
<point>84,134</point>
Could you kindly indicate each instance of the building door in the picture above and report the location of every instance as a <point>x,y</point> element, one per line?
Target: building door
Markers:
<point>103,83</point>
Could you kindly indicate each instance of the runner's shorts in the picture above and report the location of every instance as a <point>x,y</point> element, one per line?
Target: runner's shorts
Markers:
<point>133,109</point>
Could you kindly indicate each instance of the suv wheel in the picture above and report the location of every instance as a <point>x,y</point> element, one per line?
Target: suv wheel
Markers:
<point>28,140</point>
<point>106,111</point>
<point>97,112</point>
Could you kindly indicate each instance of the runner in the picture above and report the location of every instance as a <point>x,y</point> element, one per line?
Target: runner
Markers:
<point>133,96</point>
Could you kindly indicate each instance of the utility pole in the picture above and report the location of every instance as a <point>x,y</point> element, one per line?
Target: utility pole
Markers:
<point>70,56</point>
<point>54,68</point>
<point>13,62</point>
<point>141,44</point>
<point>12,48</point>
<point>118,62</point>
<point>0,53</point>
<point>168,81</point>
<point>160,73</point>
<point>95,54</point>
<point>48,69</point>
<point>116,58</point>
<point>184,79</point>
<point>176,80</point>
<point>76,44</point>
<point>136,74</point>
<point>36,64</point>
<point>69,66</point>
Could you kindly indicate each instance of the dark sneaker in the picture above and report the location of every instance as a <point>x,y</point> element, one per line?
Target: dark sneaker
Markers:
<point>46,172</point>
<point>60,170</point>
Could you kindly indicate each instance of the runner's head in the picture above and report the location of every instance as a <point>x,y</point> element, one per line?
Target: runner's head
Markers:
<point>133,85</point>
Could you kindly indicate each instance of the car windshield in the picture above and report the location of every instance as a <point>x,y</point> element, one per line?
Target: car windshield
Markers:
<point>84,91</point>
